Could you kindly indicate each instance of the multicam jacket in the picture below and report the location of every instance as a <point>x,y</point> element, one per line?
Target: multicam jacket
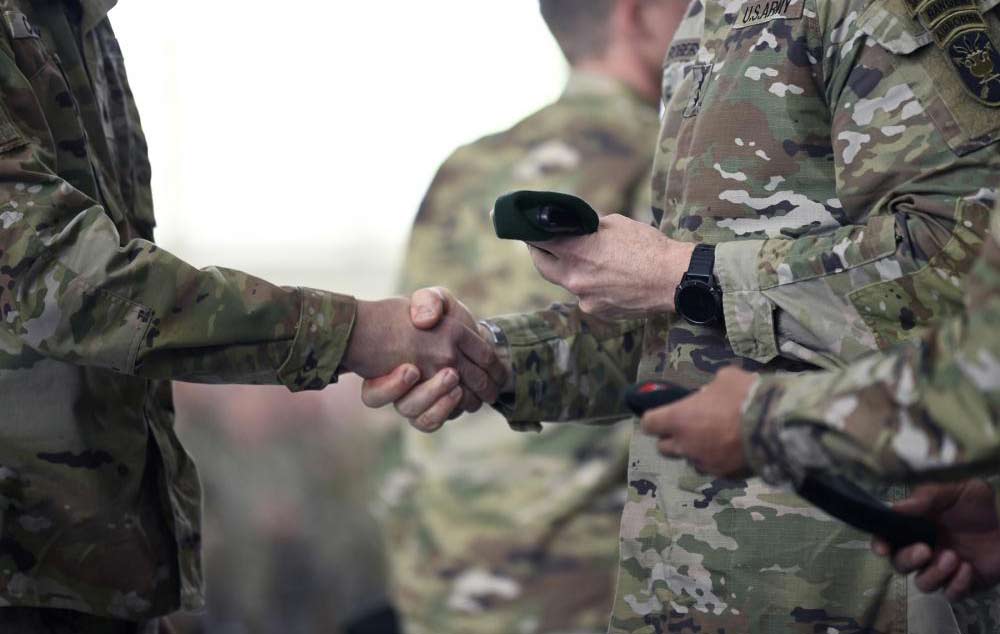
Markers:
<point>839,153</point>
<point>99,503</point>
<point>473,549</point>
<point>928,410</point>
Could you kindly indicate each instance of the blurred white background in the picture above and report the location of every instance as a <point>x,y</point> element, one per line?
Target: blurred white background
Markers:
<point>294,140</point>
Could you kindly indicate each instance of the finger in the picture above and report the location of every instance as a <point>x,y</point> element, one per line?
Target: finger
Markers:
<point>435,417</point>
<point>484,354</point>
<point>391,387</point>
<point>470,403</point>
<point>559,247</point>
<point>881,547</point>
<point>423,396</point>
<point>930,499</point>
<point>961,583</point>
<point>911,558</point>
<point>917,504</point>
<point>477,380</point>
<point>548,265</point>
<point>428,306</point>
<point>935,576</point>
<point>658,421</point>
<point>478,350</point>
<point>669,448</point>
<point>455,309</point>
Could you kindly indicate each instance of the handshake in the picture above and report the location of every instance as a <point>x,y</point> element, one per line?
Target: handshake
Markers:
<point>428,355</point>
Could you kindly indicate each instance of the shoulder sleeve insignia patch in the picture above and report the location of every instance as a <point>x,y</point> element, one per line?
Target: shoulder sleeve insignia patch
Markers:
<point>960,30</point>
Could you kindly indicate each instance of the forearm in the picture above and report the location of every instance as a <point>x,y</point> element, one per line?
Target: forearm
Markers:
<point>72,291</point>
<point>927,410</point>
<point>831,298</point>
<point>568,366</point>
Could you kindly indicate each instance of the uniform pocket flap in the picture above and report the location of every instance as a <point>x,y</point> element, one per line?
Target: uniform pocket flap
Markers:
<point>890,25</point>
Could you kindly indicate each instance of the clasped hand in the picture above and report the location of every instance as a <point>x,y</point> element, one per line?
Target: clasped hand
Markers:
<point>403,342</point>
<point>428,356</point>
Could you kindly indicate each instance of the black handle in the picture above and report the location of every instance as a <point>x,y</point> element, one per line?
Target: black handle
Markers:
<point>849,503</point>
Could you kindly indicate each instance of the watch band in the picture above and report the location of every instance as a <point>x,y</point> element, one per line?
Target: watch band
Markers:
<point>702,262</point>
<point>698,297</point>
<point>502,347</point>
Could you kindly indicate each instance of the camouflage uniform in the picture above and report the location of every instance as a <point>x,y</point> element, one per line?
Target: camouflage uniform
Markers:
<point>473,549</point>
<point>100,501</point>
<point>930,409</point>
<point>835,154</point>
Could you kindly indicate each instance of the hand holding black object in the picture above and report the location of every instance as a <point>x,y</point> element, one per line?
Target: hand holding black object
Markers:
<point>966,558</point>
<point>839,497</point>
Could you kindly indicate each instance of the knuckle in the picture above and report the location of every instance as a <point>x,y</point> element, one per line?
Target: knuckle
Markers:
<point>447,357</point>
<point>407,410</point>
<point>425,423</point>
<point>573,284</point>
<point>480,383</point>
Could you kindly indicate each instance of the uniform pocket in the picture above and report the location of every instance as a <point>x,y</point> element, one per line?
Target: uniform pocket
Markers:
<point>901,308</point>
<point>45,108</point>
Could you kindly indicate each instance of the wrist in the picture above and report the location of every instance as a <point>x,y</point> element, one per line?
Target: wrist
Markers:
<point>678,261</point>
<point>359,344</point>
<point>492,333</point>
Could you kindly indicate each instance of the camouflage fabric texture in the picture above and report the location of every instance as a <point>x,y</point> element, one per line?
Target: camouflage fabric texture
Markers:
<point>832,152</point>
<point>928,410</point>
<point>100,501</point>
<point>474,547</point>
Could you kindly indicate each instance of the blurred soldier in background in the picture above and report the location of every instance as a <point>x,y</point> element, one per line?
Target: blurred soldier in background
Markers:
<point>493,531</point>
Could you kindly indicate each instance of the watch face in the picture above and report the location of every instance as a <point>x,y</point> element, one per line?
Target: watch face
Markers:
<point>697,304</point>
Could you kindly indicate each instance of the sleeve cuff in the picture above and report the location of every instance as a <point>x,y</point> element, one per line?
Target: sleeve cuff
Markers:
<point>325,324</point>
<point>749,314</point>
<point>761,452</point>
<point>568,366</point>
<point>514,404</point>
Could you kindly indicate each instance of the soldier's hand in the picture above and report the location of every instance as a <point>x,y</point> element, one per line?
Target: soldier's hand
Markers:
<point>626,269</point>
<point>705,428</point>
<point>384,338</point>
<point>427,405</point>
<point>431,403</point>
<point>967,559</point>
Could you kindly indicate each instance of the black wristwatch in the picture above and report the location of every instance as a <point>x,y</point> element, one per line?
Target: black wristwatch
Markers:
<point>698,297</point>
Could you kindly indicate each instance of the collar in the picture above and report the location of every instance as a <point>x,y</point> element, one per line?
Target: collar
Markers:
<point>585,84</point>
<point>94,11</point>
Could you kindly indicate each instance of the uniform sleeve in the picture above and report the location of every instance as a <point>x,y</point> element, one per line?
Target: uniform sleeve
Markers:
<point>568,366</point>
<point>912,156</point>
<point>930,409</point>
<point>71,289</point>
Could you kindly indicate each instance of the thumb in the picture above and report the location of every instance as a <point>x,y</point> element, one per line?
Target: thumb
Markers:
<point>926,500</point>
<point>387,389</point>
<point>428,306</point>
